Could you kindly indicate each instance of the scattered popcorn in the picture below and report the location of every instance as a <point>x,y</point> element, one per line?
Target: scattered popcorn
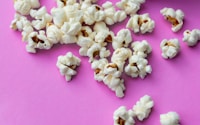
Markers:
<point>142,48</point>
<point>170,118</point>
<point>111,15</point>
<point>24,6</point>
<point>143,107</point>
<point>72,11</point>
<point>59,16</point>
<point>122,116</point>
<point>63,3</point>
<point>67,65</point>
<point>41,18</point>
<point>170,48</point>
<point>122,40</point>
<point>175,17</point>
<point>130,6</point>
<point>54,34</point>
<point>37,41</point>
<point>138,66</point>
<point>191,37</point>
<point>26,31</point>
<point>141,23</point>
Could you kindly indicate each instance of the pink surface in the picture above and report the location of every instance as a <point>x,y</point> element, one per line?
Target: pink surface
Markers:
<point>32,91</point>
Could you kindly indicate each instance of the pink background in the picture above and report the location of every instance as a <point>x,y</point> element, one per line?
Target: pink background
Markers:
<point>32,91</point>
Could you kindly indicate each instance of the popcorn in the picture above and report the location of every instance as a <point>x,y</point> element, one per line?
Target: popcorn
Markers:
<point>130,6</point>
<point>111,15</point>
<point>141,23</point>
<point>67,65</point>
<point>191,37</point>
<point>143,107</point>
<point>122,116</point>
<point>122,40</point>
<point>142,48</point>
<point>62,3</point>
<point>59,16</point>
<point>26,31</point>
<point>170,48</point>
<point>96,51</point>
<point>170,118</point>
<point>85,40</point>
<point>175,17</point>
<point>41,18</point>
<point>138,66</point>
<point>98,66</point>
<point>72,11</point>
<point>24,6</point>
<point>37,41</point>
<point>54,34</point>
<point>92,14</point>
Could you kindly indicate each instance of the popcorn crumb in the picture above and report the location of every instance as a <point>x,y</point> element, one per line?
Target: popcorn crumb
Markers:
<point>67,65</point>
<point>175,17</point>
<point>191,37</point>
<point>170,48</point>
<point>170,118</point>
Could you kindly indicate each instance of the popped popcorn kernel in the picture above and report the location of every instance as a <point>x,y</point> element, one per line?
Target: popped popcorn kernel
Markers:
<point>67,65</point>
<point>170,48</point>
<point>170,118</point>
<point>175,17</point>
<point>54,34</point>
<point>191,37</point>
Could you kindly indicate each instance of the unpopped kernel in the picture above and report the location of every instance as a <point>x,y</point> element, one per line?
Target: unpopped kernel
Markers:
<point>175,17</point>
<point>170,48</point>
<point>191,37</point>
<point>170,118</point>
<point>67,65</point>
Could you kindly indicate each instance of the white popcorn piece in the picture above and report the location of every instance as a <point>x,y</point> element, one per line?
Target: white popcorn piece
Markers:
<point>141,23</point>
<point>59,16</point>
<point>41,18</point>
<point>130,6</point>
<point>138,66</point>
<point>141,48</point>
<point>175,17</point>
<point>123,39</point>
<point>170,48</point>
<point>85,39</point>
<point>26,31</point>
<point>143,107</point>
<point>73,11</point>
<point>54,34</point>
<point>111,15</point>
<point>37,41</point>
<point>24,6</point>
<point>96,51</point>
<point>67,65</point>
<point>122,116</point>
<point>170,118</point>
<point>93,14</point>
<point>98,67</point>
<point>88,1</point>
<point>191,37</point>
<point>63,3</point>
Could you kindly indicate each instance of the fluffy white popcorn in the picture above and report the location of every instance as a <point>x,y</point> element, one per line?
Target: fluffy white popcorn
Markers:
<point>24,6</point>
<point>96,51</point>
<point>67,65</point>
<point>111,15</point>
<point>54,34</point>
<point>122,39</point>
<point>37,41</point>
<point>41,18</point>
<point>138,66</point>
<point>191,37</point>
<point>73,11</point>
<point>170,118</point>
<point>175,17</point>
<point>142,108</point>
<point>141,48</point>
<point>122,116</point>
<point>130,6</point>
<point>62,3</point>
<point>92,14</point>
<point>87,1</point>
<point>85,40</point>
<point>26,31</point>
<point>98,67</point>
<point>59,16</point>
<point>170,48</point>
<point>141,23</point>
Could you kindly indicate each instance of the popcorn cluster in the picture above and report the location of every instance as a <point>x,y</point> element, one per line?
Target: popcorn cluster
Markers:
<point>191,37</point>
<point>175,17</point>
<point>141,110</point>
<point>170,48</point>
<point>170,118</point>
